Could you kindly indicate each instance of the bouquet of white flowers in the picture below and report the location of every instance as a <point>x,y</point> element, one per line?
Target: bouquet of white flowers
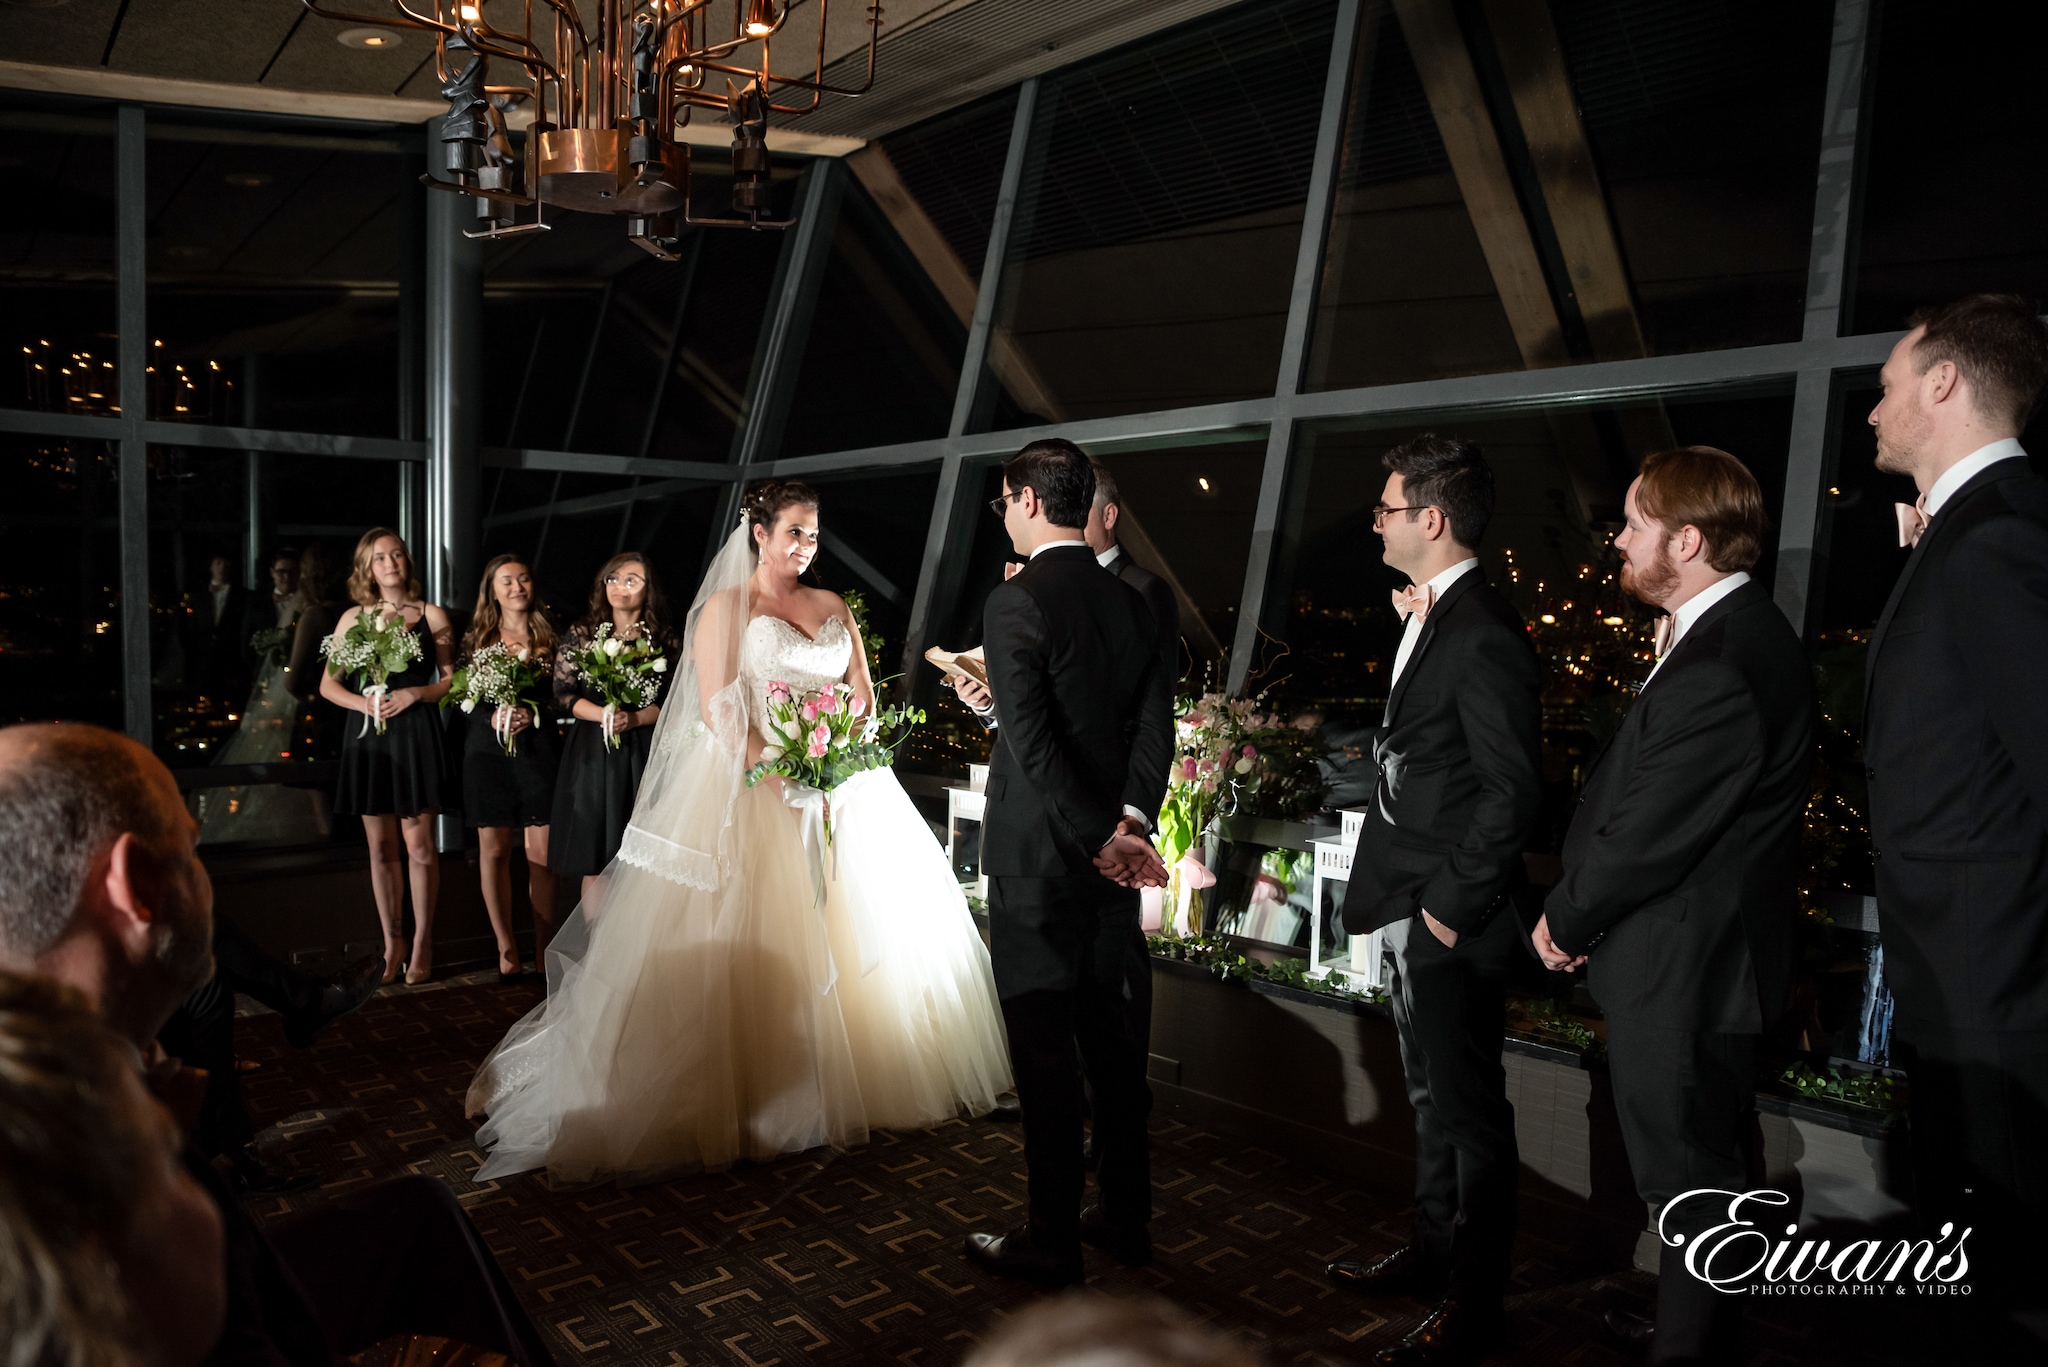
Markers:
<point>626,674</point>
<point>502,678</point>
<point>375,646</point>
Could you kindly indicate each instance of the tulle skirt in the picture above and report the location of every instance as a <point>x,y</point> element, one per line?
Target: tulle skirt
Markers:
<point>688,1028</point>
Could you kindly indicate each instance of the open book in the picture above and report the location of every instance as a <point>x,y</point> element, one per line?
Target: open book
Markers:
<point>967,664</point>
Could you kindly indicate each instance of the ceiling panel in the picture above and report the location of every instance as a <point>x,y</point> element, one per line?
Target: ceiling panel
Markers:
<point>202,39</point>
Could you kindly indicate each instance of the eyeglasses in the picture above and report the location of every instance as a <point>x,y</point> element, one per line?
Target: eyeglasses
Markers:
<point>628,583</point>
<point>1380,511</point>
<point>997,505</point>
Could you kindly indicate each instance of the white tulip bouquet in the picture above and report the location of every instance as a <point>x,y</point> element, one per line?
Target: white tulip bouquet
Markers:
<point>375,646</point>
<point>626,674</point>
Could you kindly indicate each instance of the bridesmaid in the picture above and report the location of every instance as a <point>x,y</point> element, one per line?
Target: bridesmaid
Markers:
<point>594,794</point>
<point>504,795</point>
<point>393,780</point>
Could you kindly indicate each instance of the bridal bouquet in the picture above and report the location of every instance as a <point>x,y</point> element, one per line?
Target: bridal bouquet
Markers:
<point>503,679</point>
<point>824,738</point>
<point>626,674</point>
<point>375,646</point>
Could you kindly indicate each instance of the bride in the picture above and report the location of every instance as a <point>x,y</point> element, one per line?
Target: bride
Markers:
<point>718,1005</point>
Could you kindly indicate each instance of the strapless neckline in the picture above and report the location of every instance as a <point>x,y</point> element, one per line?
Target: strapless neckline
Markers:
<point>798,631</point>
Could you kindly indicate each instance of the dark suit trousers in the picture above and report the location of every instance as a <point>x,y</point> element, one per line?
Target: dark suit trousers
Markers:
<point>1072,973</point>
<point>1450,1009</point>
<point>1980,1117</point>
<point>402,1257</point>
<point>1687,1104</point>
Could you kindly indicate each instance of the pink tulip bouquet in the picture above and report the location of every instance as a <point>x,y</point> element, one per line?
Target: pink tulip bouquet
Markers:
<point>822,739</point>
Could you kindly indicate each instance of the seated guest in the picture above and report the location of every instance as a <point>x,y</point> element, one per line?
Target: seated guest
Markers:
<point>110,1253</point>
<point>101,888</point>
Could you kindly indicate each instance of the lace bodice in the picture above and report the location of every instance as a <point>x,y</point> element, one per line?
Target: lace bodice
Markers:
<point>774,650</point>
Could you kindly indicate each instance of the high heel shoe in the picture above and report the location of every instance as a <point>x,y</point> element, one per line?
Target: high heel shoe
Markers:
<point>391,972</point>
<point>517,975</point>
<point>413,979</point>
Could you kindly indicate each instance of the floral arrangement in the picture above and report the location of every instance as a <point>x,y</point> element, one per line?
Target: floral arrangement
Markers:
<point>274,644</point>
<point>503,679</point>
<point>375,646</point>
<point>626,674</point>
<point>826,737</point>
<point>1233,756</point>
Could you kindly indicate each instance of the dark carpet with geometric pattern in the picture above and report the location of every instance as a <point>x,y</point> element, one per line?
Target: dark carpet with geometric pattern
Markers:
<point>834,1256</point>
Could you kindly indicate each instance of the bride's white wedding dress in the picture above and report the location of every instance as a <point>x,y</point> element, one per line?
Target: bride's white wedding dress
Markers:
<point>714,1010</point>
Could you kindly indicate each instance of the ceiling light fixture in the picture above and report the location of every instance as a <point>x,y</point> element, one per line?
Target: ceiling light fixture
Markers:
<point>609,97</point>
<point>373,39</point>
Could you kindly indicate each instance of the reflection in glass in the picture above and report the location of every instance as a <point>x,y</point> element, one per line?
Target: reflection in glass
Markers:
<point>1157,227</point>
<point>871,535</point>
<point>1559,480</point>
<point>220,524</point>
<point>1643,184</point>
<point>1953,205</point>
<point>60,574</point>
<point>57,259</point>
<point>590,344</point>
<point>274,266</point>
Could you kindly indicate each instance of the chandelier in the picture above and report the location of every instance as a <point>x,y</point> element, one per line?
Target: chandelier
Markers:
<point>608,99</point>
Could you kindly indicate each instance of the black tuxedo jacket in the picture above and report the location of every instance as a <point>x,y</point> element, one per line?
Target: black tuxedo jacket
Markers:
<point>1158,596</point>
<point>1083,730</point>
<point>1682,861</point>
<point>1460,770</point>
<point>1956,744</point>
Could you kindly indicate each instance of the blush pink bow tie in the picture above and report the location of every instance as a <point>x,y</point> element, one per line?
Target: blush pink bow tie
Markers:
<point>1912,520</point>
<point>1661,631</point>
<point>1414,602</point>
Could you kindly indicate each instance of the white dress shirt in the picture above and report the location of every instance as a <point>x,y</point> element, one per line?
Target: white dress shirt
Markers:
<point>220,600</point>
<point>1076,541</point>
<point>1690,611</point>
<point>1108,557</point>
<point>1968,468</point>
<point>1413,630</point>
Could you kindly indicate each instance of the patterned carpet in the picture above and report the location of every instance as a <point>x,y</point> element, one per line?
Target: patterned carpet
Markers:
<point>854,1256</point>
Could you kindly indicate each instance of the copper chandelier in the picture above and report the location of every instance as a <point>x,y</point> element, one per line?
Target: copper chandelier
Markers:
<point>608,99</point>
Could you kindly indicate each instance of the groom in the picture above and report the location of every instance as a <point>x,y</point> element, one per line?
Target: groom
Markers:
<point>1077,777</point>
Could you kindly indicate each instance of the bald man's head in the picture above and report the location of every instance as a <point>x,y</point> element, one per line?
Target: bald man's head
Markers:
<point>68,791</point>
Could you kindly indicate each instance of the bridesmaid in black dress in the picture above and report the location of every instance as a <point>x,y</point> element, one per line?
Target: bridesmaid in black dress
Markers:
<point>393,781</point>
<point>594,793</point>
<point>509,798</point>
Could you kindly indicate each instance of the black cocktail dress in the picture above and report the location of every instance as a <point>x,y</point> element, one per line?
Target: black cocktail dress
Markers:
<point>595,789</point>
<point>399,772</point>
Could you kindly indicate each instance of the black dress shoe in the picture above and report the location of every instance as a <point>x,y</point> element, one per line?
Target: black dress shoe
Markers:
<point>338,997</point>
<point>1629,1328</point>
<point>251,1176</point>
<point>1397,1274</point>
<point>1131,1246</point>
<point>1452,1335</point>
<point>1015,1255</point>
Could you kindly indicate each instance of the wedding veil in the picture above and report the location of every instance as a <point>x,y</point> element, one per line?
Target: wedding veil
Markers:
<point>697,763</point>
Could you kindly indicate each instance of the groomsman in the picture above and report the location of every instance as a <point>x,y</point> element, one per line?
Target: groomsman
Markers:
<point>1457,795</point>
<point>1100,533</point>
<point>1681,862</point>
<point>1956,744</point>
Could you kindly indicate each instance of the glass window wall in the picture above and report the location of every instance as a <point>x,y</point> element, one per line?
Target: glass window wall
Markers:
<point>1153,252</point>
<point>275,256</point>
<point>60,581</point>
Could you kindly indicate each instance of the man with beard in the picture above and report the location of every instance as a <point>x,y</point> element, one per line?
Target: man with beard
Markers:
<point>101,889</point>
<point>1681,863</point>
<point>1956,749</point>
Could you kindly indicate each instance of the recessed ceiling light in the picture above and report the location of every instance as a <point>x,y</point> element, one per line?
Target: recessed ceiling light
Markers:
<point>372,39</point>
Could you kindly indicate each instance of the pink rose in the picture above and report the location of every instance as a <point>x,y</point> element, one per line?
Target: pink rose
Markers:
<point>1187,769</point>
<point>858,706</point>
